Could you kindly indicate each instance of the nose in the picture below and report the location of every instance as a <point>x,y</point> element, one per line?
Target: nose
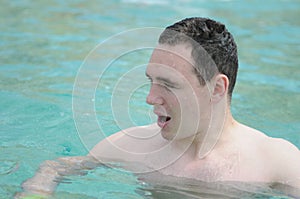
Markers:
<point>154,96</point>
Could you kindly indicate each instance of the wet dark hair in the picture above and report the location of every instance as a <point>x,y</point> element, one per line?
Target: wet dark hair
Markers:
<point>211,42</point>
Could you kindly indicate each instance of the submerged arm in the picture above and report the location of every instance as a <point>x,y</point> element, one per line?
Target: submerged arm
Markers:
<point>52,172</point>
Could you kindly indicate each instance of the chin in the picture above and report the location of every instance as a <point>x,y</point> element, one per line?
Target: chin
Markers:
<point>168,135</point>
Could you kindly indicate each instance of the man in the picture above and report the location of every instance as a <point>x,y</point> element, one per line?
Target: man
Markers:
<point>192,72</point>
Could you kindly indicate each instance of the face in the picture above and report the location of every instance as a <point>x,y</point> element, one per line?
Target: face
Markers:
<point>181,104</point>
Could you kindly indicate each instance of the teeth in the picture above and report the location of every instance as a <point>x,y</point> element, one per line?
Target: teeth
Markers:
<point>164,118</point>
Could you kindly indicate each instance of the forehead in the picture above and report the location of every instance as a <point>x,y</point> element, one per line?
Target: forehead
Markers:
<point>175,58</point>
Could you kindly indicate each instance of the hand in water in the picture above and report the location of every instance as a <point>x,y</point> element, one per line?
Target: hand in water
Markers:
<point>52,172</point>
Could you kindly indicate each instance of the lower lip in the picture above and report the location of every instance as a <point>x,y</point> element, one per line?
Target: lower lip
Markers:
<point>162,124</point>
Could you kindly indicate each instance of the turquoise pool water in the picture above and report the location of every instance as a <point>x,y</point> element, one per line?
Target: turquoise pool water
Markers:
<point>44,43</point>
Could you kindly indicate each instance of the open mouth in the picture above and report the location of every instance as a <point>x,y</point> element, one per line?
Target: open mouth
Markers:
<point>164,118</point>
<point>162,121</point>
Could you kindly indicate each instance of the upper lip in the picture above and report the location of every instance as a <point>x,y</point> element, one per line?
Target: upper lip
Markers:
<point>160,112</point>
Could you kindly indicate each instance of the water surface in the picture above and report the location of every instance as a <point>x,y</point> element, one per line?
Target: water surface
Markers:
<point>44,43</point>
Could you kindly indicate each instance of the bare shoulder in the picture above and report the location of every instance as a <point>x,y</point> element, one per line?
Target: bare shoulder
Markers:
<point>266,143</point>
<point>274,159</point>
<point>280,151</point>
<point>283,147</point>
<point>269,147</point>
<point>128,144</point>
<point>285,152</point>
<point>280,157</point>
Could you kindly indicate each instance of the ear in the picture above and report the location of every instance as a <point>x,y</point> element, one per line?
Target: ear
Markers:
<point>220,88</point>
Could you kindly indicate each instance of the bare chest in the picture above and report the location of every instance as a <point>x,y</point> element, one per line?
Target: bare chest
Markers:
<point>231,167</point>
<point>210,169</point>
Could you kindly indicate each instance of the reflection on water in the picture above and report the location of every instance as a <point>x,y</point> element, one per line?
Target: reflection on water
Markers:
<point>105,182</point>
<point>172,187</point>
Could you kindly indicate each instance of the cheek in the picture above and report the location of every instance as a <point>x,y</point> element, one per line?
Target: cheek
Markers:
<point>197,105</point>
<point>182,102</point>
<point>173,100</point>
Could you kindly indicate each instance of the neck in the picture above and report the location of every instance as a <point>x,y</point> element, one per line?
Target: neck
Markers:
<point>201,145</point>
<point>216,135</point>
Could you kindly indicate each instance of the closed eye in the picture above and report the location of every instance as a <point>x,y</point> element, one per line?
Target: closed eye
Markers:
<point>168,85</point>
<point>164,82</point>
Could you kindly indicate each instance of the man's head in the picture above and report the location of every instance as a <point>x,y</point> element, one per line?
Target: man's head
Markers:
<point>192,51</point>
<point>214,38</point>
